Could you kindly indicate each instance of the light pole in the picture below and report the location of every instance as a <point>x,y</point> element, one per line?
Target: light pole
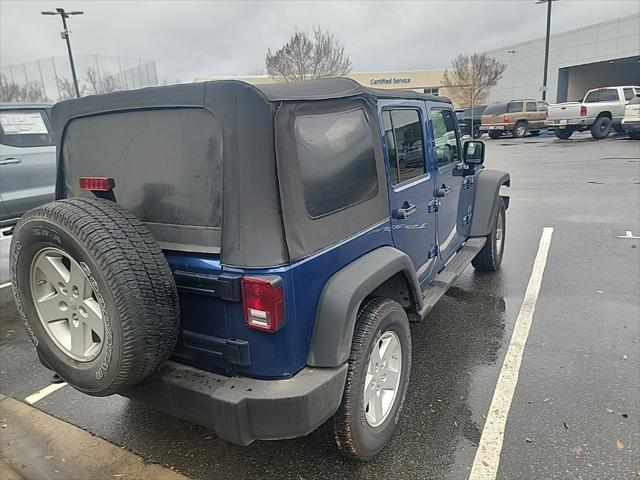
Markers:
<point>546,47</point>
<point>65,35</point>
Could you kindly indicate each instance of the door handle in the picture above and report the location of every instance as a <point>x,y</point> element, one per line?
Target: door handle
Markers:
<point>442,191</point>
<point>9,161</point>
<point>406,210</point>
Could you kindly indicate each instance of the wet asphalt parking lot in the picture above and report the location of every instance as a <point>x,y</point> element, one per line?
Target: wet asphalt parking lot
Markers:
<point>575,413</point>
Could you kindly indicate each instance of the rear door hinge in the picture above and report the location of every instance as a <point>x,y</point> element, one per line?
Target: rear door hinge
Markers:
<point>433,252</point>
<point>433,205</point>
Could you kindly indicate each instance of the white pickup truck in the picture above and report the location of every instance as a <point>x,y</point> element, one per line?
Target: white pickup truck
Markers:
<point>601,110</point>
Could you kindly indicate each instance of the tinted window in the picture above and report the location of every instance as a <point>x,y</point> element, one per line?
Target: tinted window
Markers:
<point>405,145</point>
<point>25,128</point>
<point>542,106</point>
<point>606,95</point>
<point>531,106</point>
<point>514,107</point>
<point>628,93</point>
<point>444,133</point>
<point>497,108</point>
<point>337,161</point>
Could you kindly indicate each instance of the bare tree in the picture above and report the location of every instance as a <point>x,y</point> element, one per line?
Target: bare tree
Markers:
<point>303,58</point>
<point>67,89</point>
<point>11,91</point>
<point>99,84</point>
<point>472,77</point>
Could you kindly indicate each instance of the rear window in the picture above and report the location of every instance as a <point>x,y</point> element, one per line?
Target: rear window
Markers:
<point>628,93</point>
<point>26,128</point>
<point>495,109</point>
<point>605,95</point>
<point>337,160</point>
<point>514,107</point>
<point>167,163</point>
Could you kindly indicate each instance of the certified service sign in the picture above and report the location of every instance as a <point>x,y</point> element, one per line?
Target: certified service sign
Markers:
<point>389,80</point>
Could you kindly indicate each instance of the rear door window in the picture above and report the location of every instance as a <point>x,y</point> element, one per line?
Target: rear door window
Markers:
<point>604,95</point>
<point>514,107</point>
<point>26,128</point>
<point>405,144</point>
<point>531,107</point>
<point>337,160</point>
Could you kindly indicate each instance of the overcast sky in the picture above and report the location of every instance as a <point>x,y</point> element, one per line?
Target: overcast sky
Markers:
<point>205,38</point>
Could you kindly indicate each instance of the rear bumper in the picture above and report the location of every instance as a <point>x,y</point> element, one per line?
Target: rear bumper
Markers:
<point>487,128</point>
<point>580,122</point>
<point>241,410</point>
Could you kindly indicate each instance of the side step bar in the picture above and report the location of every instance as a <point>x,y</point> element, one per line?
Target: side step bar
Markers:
<point>456,265</point>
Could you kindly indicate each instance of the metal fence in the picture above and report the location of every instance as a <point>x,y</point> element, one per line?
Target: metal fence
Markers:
<point>48,80</point>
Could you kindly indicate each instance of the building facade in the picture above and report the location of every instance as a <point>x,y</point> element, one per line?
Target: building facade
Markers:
<point>603,54</point>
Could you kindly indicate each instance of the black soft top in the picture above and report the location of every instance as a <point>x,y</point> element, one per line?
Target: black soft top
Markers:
<point>131,136</point>
<point>333,88</point>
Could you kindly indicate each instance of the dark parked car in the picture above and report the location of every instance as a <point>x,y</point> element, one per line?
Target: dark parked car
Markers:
<point>27,159</point>
<point>469,120</point>
<point>249,257</point>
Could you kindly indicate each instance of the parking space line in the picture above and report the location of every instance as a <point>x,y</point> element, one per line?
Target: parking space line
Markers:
<point>40,394</point>
<point>5,285</point>
<point>487,460</point>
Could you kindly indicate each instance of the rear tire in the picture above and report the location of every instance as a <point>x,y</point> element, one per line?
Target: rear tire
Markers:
<point>95,293</point>
<point>490,257</point>
<point>360,433</point>
<point>520,130</point>
<point>601,128</point>
<point>564,133</point>
<point>495,134</point>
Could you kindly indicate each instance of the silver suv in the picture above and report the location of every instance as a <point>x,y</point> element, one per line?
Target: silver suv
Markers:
<point>27,159</point>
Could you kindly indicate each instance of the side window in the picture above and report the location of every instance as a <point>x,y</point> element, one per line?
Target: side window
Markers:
<point>444,134</point>
<point>26,128</point>
<point>514,107</point>
<point>608,95</point>
<point>337,160</point>
<point>591,98</point>
<point>628,93</point>
<point>405,144</point>
<point>531,107</point>
<point>543,106</point>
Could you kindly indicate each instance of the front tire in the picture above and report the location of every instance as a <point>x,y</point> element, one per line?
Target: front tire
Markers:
<point>601,128</point>
<point>377,380</point>
<point>476,132</point>
<point>490,257</point>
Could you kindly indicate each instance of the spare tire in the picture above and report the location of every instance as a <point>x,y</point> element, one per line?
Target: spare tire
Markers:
<point>95,293</point>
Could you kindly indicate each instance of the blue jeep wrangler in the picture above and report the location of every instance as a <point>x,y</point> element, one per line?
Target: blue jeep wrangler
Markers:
<point>249,257</point>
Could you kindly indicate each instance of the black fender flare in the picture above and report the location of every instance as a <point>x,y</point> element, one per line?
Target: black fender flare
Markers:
<point>341,298</point>
<point>485,204</point>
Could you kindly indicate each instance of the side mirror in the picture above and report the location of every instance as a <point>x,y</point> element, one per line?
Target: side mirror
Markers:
<point>473,152</point>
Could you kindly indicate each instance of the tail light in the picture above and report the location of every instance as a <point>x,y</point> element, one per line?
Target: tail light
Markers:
<point>263,303</point>
<point>97,184</point>
<point>583,111</point>
<point>505,119</point>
